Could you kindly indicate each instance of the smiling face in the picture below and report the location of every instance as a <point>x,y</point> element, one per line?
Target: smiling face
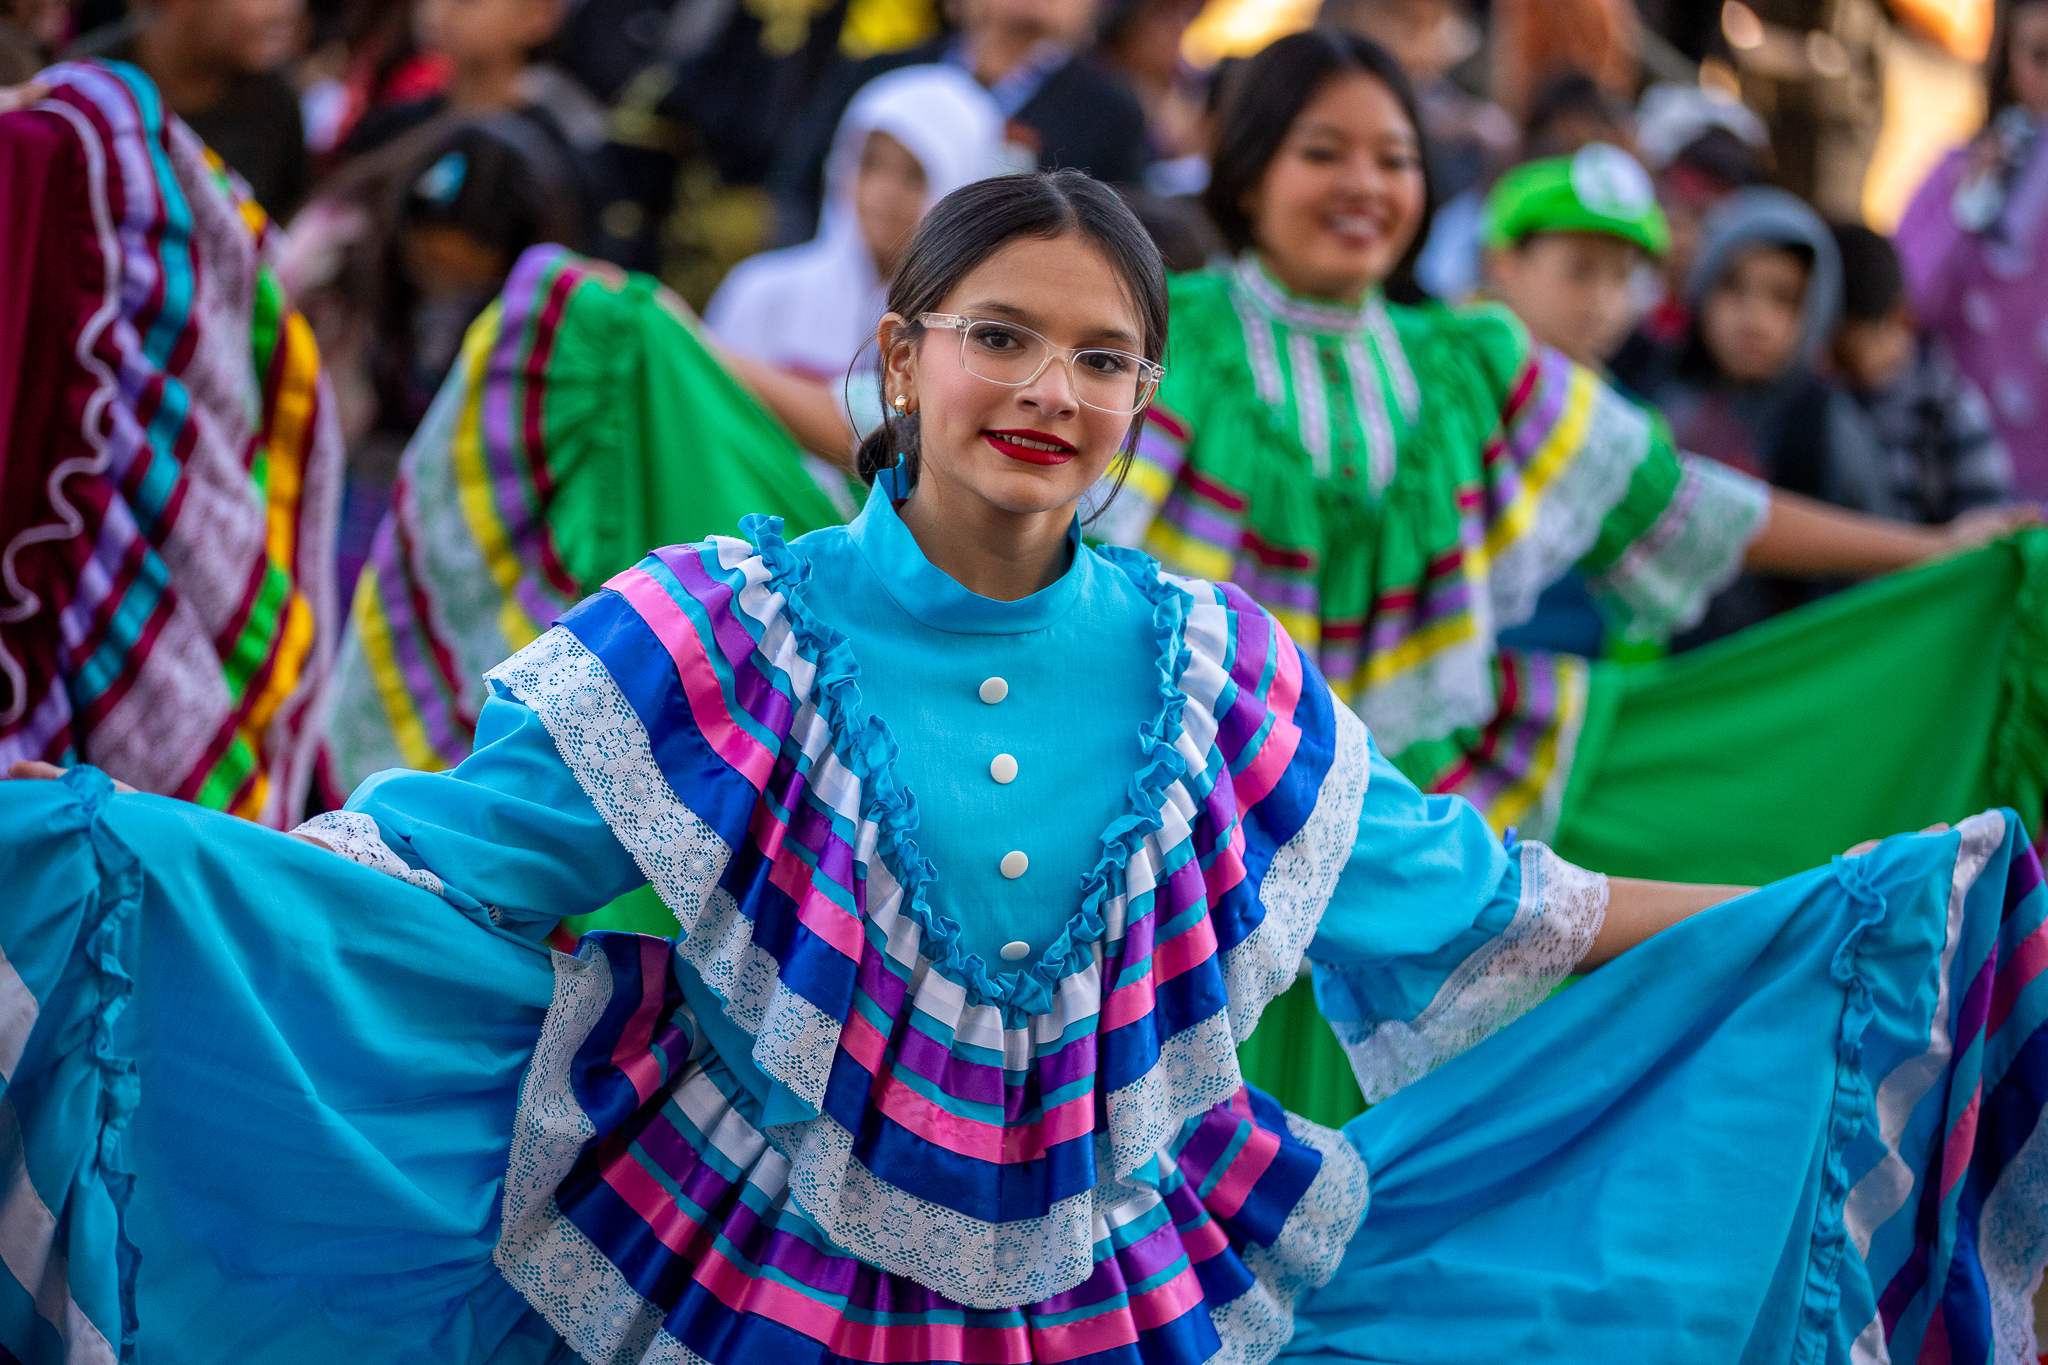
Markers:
<point>1343,197</point>
<point>1035,448</point>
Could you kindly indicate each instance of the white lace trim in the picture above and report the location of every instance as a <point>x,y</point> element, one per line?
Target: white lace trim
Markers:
<point>1662,583</point>
<point>1259,1322</point>
<point>542,1254</point>
<point>1299,883</point>
<point>2012,1243</point>
<point>1561,910</point>
<point>602,741</point>
<point>1568,511</point>
<point>1886,1187</point>
<point>582,1294</point>
<point>1452,689</point>
<point>355,836</point>
<point>1197,1069</point>
<point>980,1264</point>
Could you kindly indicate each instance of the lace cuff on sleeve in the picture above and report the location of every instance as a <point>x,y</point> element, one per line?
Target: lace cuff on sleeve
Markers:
<point>355,836</point>
<point>1561,910</point>
<point>1661,584</point>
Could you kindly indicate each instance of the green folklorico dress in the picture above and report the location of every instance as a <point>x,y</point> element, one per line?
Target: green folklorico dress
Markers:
<point>1398,485</point>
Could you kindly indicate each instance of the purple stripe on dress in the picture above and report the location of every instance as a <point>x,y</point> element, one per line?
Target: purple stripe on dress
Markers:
<point>2022,876</point>
<point>1279,588</point>
<point>1186,888</point>
<point>1252,645</point>
<point>956,1077</point>
<point>665,1149</point>
<point>403,630</point>
<point>717,594</point>
<point>1197,519</point>
<point>766,703</point>
<point>1208,1143</point>
<point>39,731</point>
<point>540,605</point>
<point>1976,1007</point>
<point>95,580</point>
<point>526,293</point>
<point>833,856</point>
<point>1539,416</point>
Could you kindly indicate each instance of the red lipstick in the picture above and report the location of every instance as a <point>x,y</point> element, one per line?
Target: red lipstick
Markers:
<point>1008,443</point>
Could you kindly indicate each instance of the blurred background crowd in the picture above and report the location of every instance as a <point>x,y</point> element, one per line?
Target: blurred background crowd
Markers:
<point>765,158</point>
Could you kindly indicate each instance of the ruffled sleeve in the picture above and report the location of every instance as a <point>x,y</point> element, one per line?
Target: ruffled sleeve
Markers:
<point>1437,936</point>
<point>1578,474</point>
<point>508,833</point>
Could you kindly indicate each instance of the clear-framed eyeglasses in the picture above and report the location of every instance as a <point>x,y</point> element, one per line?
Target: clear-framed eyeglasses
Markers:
<point>1013,355</point>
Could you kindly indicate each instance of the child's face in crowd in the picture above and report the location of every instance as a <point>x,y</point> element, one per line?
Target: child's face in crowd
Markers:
<point>247,35</point>
<point>1873,355</point>
<point>2027,46</point>
<point>1342,198</point>
<point>1751,320</point>
<point>1570,289</point>
<point>1066,291</point>
<point>888,198</point>
<point>475,33</point>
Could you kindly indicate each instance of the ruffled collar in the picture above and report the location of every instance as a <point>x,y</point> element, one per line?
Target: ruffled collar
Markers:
<point>933,597</point>
<point>866,747</point>
<point>1309,315</point>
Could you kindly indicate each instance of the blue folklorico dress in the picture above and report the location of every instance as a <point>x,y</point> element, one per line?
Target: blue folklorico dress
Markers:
<point>975,901</point>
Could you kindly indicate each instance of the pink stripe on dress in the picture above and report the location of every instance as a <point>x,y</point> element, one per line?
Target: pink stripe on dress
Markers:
<point>818,912</point>
<point>647,1197</point>
<point>2028,961</point>
<point>1251,1162</point>
<point>983,1141</point>
<point>777,1302</point>
<point>631,1055</point>
<point>1262,774</point>
<point>1960,1144</point>
<point>747,755</point>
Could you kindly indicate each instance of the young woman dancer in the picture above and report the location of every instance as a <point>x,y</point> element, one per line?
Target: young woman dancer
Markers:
<point>1397,485</point>
<point>987,849</point>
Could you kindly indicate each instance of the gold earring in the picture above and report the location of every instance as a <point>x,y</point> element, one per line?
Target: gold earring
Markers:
<point>902,405</point>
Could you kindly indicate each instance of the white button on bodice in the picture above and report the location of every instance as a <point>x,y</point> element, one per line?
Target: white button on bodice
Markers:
<point>1003,769</point>
<point>1016,951</point>
<point>994,690</point>
<point>1014,863</point>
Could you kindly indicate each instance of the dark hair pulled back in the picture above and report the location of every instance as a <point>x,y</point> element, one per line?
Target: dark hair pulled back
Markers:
<point>1263,102</point>
<point>974,222</point>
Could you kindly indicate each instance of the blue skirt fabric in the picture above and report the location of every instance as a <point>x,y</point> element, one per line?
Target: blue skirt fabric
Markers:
<point>259,1104</point>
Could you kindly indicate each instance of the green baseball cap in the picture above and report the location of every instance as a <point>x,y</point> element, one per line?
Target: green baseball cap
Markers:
<point>1598,189</point>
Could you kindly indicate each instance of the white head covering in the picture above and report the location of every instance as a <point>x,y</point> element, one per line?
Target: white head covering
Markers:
<point>810,308</point>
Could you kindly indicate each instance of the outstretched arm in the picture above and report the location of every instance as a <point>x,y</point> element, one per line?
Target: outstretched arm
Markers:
<point>805,406</point>
<point>1804,537</point>
<point>1637,910</point>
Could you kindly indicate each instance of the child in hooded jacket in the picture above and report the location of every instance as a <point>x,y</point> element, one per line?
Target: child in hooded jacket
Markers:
<point>1765,293</point>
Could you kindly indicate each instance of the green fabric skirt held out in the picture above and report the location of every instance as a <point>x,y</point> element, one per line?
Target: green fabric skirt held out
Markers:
<point>585,421</point>
<point>1918,698</point>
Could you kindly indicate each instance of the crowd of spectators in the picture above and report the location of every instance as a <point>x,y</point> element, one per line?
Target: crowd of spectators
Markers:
<point>767,159</point>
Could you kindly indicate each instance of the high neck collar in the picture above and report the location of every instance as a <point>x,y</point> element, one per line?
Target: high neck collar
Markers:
<point>1296,310</point>
<point>933,597</point>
